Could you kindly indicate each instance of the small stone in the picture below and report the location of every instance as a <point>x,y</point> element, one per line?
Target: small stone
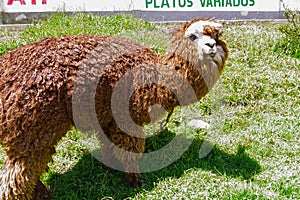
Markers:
<point>20,17</point>
<point>198,124</point>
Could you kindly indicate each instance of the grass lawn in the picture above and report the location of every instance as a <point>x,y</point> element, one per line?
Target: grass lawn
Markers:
<point>256,153</point>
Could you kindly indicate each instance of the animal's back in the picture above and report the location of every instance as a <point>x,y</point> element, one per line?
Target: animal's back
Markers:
<point>37,81</point>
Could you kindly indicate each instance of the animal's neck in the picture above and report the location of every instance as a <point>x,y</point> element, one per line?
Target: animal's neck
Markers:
<point>179,77</point>
<point>200,72</point>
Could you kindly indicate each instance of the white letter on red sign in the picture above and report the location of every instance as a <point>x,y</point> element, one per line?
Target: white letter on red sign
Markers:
<point>33,2</point>
<point>10,2</point>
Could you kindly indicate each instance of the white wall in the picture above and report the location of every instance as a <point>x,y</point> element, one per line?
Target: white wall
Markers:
<point>293,4</point>
<point>145,5</point>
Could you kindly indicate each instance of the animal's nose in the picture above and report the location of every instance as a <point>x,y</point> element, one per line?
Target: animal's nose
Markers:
<point>211,45</point>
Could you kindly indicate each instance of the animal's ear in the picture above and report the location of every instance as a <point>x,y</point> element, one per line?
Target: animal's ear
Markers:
<point>213,31</point>
<point>218,32</point>
<point>173,31</point>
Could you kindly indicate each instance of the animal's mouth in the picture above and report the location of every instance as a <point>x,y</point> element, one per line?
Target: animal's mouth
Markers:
<point>212,55</point>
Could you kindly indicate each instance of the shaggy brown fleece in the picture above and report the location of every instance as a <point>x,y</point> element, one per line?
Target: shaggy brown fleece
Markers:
<point>37,84</point>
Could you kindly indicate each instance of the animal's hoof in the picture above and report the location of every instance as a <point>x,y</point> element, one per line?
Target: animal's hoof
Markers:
<point>107,167</point>
<point>136,184</point>
<point>41,192</point>
<point>134,180</point>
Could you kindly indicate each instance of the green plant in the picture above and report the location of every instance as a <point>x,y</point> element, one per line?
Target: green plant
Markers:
<point>290,44</point>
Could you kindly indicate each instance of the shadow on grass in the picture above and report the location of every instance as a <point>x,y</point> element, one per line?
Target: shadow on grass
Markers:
<point>89,180</point>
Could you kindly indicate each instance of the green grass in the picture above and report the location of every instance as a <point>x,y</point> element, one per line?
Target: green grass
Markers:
<point>256,155</point>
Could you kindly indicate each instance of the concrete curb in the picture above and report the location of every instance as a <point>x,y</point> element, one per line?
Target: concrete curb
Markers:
<point>151,16</point>
<point>13,27</point>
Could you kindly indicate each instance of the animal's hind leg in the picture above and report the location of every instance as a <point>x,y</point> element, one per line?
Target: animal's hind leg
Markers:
<point>20,175</point>
<point>127,144</point>
<point>25,163</point>
<point>17,182</point>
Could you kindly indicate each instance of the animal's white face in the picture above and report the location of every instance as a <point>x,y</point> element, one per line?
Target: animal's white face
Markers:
<point>206,44</point>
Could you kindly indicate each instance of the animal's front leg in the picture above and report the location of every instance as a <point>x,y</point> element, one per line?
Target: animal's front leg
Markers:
<point>41,192</point>
<point>134,179</point>
<point>128,149</point>
<point>109,161</point>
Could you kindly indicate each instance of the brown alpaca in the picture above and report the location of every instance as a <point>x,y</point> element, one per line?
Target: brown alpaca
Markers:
<point>37,84</point>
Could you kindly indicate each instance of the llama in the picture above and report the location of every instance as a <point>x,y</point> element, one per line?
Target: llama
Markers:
<point>37,85</point>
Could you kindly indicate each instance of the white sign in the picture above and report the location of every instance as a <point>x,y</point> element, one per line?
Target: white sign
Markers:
<point>144,5</point>
<point>212,5</point>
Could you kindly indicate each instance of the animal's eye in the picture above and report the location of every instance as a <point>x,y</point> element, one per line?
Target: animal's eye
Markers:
<point>193,37</point>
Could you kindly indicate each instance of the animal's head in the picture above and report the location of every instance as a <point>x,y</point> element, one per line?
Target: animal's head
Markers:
<point>200,53</point>
<point>204,33</point>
